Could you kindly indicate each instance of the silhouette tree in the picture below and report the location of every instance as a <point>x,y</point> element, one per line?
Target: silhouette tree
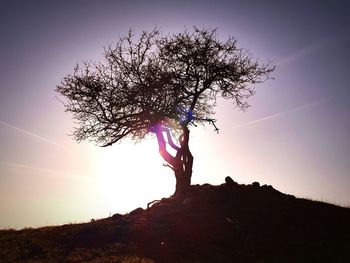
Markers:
<point>160,85</point>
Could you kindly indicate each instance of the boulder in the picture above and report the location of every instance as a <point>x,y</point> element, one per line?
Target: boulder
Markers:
<point>137,211</point>
<point>229,182</point>
<point>256,184</point>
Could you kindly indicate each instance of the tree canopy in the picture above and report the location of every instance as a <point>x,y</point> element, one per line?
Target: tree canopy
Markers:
<point>155,79</point>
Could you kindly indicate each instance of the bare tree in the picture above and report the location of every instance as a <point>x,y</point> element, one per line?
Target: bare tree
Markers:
<point>160,85</point>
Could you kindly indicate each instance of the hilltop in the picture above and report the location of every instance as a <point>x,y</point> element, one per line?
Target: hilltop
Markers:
<point>224,223</point>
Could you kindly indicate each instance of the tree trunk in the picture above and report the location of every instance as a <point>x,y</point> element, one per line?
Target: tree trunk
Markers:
<point>183,183</point>
<point>182,163</point>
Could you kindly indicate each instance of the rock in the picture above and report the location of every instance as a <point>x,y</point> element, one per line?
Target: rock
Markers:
<point>291,196</point>
<point>267,187</point>
<point>256,184</point>
<point>270,187</point>
<point>229,182</point>
<point>137,211</point>
<point>117,216</point>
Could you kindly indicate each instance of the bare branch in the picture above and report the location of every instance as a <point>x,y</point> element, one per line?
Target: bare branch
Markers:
<point>172,81</point>
<point>170,139</point>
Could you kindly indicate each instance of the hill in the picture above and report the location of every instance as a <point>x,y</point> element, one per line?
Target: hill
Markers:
<point>225,223</point>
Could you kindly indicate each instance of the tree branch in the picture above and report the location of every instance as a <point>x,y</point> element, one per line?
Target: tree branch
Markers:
<point>170,140</point>
<point>162,147</point>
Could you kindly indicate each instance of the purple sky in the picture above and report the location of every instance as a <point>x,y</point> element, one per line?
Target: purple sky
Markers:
<point>294,137</point>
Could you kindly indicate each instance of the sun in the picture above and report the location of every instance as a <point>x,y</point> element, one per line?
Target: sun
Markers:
<point>130,175</point>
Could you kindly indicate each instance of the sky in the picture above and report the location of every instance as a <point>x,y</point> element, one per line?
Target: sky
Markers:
<point>295,137</point>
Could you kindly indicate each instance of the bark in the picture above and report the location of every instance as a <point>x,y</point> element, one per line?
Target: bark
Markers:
<point>181,163</point>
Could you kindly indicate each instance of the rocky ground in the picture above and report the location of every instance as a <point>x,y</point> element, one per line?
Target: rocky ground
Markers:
<point>225,223</point>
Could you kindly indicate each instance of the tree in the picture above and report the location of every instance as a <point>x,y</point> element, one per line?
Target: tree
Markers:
<point>160,85</point>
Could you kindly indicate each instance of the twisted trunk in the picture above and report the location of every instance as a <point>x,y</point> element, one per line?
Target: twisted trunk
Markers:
<point>182,162</point>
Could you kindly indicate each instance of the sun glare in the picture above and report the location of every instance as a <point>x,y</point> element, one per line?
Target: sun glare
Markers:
<point>130,175</point>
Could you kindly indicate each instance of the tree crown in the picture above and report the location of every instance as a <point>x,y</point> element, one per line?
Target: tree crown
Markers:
<point>172,81</point>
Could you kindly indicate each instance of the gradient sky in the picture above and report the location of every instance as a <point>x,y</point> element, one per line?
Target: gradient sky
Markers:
<point>296,135</point>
